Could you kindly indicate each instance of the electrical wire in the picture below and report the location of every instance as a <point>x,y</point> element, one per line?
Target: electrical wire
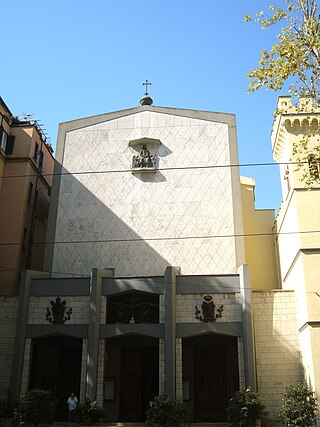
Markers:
<point>151,239</point>
<point>235,165</point>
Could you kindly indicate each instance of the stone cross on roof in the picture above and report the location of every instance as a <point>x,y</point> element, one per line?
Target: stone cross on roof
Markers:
<point>146,83</point>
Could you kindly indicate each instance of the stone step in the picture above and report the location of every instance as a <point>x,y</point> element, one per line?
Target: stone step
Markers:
<point>10,423</point>
<point>127,424</point>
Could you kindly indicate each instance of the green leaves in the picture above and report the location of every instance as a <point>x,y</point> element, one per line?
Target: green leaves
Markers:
<point>91,409</point>
<point>165,411</point>
<point>36,406</point>
<point>295,54</point>
<point>298,406</point>
<point>294,60</point>
<point>306,151</point>
<point>245,408</point>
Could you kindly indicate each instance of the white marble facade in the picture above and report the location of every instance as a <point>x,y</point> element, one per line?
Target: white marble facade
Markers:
<point>182,214</point>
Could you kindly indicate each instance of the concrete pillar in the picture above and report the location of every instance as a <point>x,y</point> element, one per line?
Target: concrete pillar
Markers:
<point>25,380</point>
<point>94,330</point>
<point>162,366</point>
<point>83,381</point>
<point>100,380</point>
<point>93,333</point>
<point>20,338</point>
<point>247,323</point>
<point>179,368</point>
<point>170,329</point>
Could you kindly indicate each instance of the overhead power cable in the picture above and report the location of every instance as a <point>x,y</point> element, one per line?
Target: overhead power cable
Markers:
<point>151,239</point>
<point>235,165</point>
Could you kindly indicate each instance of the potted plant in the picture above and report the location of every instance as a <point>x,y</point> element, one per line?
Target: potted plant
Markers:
<point>298,407</point>
<point>36,406</point>
<point>165,411</point>
<point>245,408</point>
<point>6,412</point>
<point>90,411</point>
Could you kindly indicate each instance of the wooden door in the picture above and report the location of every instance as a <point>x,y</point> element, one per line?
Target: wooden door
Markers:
<point>139,382</point>
<point>210,384</point>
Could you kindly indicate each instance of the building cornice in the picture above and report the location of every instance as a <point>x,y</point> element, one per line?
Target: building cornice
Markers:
<point>31,163</point>
<point>71,125</point>
<point>310,324</point>
<point>294,120</point>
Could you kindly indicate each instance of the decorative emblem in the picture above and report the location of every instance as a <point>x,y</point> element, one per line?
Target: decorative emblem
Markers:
<point>133,308</point>
<point>208,310</point>
<point>58,313</point>
<point>144,159</point>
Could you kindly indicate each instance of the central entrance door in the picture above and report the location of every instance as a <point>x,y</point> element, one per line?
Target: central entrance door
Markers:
<point>139,381</point>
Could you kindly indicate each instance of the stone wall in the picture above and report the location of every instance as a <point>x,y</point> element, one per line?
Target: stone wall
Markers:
<point>120,214</point>
<point>277,346</point>
<point>8,316</point>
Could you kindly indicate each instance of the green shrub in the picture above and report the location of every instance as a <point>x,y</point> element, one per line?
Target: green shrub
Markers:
<point>6,410</point>
<point>91,410</point>
<point>36,406</point>
<point>298,406</point>
<point>245,408</point>
<point>165,411</point>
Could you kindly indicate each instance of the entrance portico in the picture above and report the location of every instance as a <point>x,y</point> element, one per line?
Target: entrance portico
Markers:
<point>138,337</point>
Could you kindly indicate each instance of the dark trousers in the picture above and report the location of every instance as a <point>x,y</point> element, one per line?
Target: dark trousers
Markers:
<point>72,415</point>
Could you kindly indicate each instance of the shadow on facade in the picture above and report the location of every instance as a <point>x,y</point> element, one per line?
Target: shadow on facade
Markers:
<point>84,233</point>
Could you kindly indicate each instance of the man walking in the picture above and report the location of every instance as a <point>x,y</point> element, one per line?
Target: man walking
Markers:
<point>72,403</point>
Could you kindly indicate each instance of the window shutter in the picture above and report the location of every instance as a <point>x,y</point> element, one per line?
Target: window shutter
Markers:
<point>10,144</point>
<point>41,160</point>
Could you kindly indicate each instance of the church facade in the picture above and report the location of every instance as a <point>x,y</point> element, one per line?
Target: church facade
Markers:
<point>161,277</point>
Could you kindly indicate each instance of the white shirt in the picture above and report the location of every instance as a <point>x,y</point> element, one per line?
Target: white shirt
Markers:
<point>72,402</point>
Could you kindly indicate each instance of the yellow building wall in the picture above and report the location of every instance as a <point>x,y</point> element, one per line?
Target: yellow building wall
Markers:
<point>277,346</point>
<point>259,240</point>
<point>308,212</point>
<point>298,228</point>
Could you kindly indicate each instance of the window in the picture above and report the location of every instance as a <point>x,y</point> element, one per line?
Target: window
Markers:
<point>314,166</point>
<point>30,193</point>
<point>10,144</point>
<point>133,307</point>
<point>3,139</point>
<point>24,239</point>
<point>41,160</point>
<point>36,151</point>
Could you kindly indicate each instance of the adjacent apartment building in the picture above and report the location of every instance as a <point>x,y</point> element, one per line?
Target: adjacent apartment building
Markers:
<point>26,167</point>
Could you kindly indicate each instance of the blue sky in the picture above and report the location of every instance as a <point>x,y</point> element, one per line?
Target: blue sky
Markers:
<point>67,59</point>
